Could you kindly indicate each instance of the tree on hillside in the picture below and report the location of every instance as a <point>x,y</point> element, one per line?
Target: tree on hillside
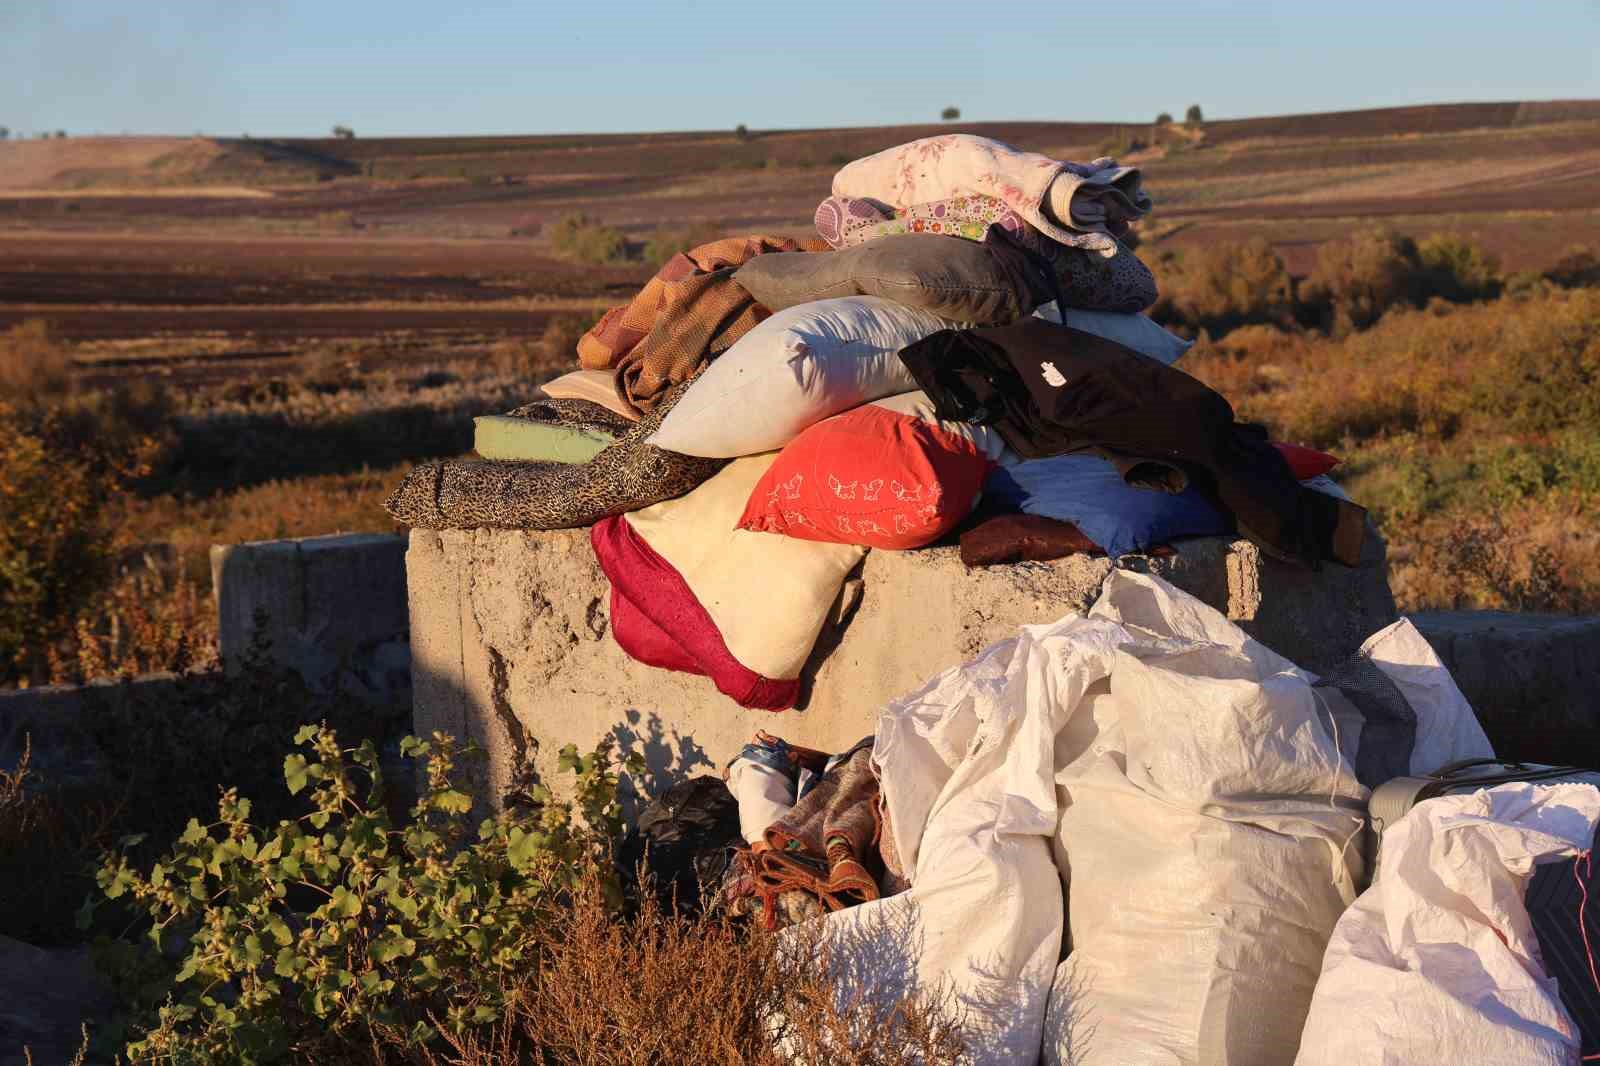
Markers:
<point>61,135</point>
<point>950,114</point>
<point>5,133</point>
<point>742,132</point>
<point>344,133</point>
<point>1164,119</point>
<point>1193,117</point>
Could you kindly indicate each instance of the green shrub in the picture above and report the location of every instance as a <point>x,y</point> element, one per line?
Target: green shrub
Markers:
<point>338,928</point>
<point>1457,270</point>
<point>1577,267</point>
<point>35,368</point>
<point>1360,277</point>
<point>1221,286</point>
<point>587,240</point>
<point>342,936</point>
<point>669,242</point>
<point>55,543</point>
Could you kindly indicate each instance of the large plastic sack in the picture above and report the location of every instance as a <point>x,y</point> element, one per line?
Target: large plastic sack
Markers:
<point>966,771</point>
<point>1209,839</point>
<point>1438,962</point>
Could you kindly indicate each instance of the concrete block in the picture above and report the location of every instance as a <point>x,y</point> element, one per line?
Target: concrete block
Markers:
<point>511,645</point>
<point>329,604</point>
<point>54,721</point>
<point>1533,679</point>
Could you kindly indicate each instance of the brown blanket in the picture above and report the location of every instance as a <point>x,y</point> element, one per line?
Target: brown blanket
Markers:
<point>689,312</point>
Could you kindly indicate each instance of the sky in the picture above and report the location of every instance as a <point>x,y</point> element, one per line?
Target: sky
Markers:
<point>396,67</point>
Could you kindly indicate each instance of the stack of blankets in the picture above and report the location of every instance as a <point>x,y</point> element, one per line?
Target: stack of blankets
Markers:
<point>960,350</point>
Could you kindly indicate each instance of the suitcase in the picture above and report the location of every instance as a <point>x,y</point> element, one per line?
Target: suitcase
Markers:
<point>1391,800</point>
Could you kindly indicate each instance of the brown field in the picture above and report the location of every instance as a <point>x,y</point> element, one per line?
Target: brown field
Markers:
<point>424,246</point>
<point>301,299</point>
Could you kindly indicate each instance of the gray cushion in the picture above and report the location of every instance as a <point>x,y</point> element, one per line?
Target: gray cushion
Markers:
<point>952,277</point>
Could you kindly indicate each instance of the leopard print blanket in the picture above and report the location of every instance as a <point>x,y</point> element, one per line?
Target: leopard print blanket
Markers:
<point>627,476</point>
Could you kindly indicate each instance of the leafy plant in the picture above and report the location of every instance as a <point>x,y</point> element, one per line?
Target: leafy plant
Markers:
<point>339,928</point>
<point>588,240</point>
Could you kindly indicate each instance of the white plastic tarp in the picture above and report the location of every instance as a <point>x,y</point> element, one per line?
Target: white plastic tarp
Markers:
<point>1438,961</point>
<point>1212,836</point>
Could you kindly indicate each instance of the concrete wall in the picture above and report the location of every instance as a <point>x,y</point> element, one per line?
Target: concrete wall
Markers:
<point>511,644</point>
<point>1534,679</point>
<point>333,608</point>
<point>52,720</point>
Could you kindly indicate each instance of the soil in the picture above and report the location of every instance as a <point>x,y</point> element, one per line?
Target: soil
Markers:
<point>421,249</point>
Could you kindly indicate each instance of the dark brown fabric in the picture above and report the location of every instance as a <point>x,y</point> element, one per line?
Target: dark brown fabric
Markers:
<point>1018,538</point>
<point>691,311</point>
<point>1050,389</point>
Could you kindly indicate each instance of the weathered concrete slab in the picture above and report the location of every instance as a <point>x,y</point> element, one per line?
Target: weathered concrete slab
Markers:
<point>47,996</point>
<point>1534,679</point>
<point>53,720</point>
<point>511,645</point>
<point>334,607</point>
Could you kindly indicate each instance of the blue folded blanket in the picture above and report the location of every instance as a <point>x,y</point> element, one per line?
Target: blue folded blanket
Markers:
<point>1087,491</point>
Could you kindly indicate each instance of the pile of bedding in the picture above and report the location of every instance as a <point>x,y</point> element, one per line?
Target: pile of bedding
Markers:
<point>962,342</point>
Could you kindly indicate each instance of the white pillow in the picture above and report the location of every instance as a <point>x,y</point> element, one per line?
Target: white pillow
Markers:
<point>1136,331</point>
<point>800,366</point>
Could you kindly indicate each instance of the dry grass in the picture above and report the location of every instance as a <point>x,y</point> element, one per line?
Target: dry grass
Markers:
<point>1468,431</point>
<point>34,367</point>
<point>658,989</point>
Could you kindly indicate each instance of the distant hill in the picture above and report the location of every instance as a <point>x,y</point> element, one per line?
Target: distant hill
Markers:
<point>141,162</point>
<point>153,162</point>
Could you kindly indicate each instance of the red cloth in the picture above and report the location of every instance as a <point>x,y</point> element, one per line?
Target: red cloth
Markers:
<point>1306,463</point>
<point>657,620</point>
<point>870,476</point>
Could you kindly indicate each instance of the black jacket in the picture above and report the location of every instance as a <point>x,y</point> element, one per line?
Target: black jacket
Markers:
<point>1050,389</point>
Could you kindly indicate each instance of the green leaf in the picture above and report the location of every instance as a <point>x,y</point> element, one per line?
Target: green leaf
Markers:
<point>452,801</point>
<point>288,964</point>
<point>279,929</point>
<point>294,769</point>
<point>305,733</point>
<point>252,950</point>
<point>392,947</point>
<point>344,902</point>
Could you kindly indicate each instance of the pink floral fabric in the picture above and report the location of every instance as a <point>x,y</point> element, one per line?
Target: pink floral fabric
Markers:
<point>962,165</point>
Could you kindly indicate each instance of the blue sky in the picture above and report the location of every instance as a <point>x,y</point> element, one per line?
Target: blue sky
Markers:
<point>295,67</point>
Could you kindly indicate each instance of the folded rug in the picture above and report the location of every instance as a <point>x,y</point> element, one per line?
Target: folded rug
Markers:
<point>684,316</point>
<point>826,845</point>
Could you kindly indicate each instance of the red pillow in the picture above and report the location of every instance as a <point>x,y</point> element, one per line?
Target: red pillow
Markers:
<point>870,476</point>
<point>1306,463</point>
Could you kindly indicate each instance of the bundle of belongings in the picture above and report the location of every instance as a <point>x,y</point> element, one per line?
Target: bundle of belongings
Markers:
<point>1141,836</point>
<point>1134,836</point>
<point>960,352</point>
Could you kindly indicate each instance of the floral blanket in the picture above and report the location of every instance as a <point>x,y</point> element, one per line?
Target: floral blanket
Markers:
<point>1081,205</point>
